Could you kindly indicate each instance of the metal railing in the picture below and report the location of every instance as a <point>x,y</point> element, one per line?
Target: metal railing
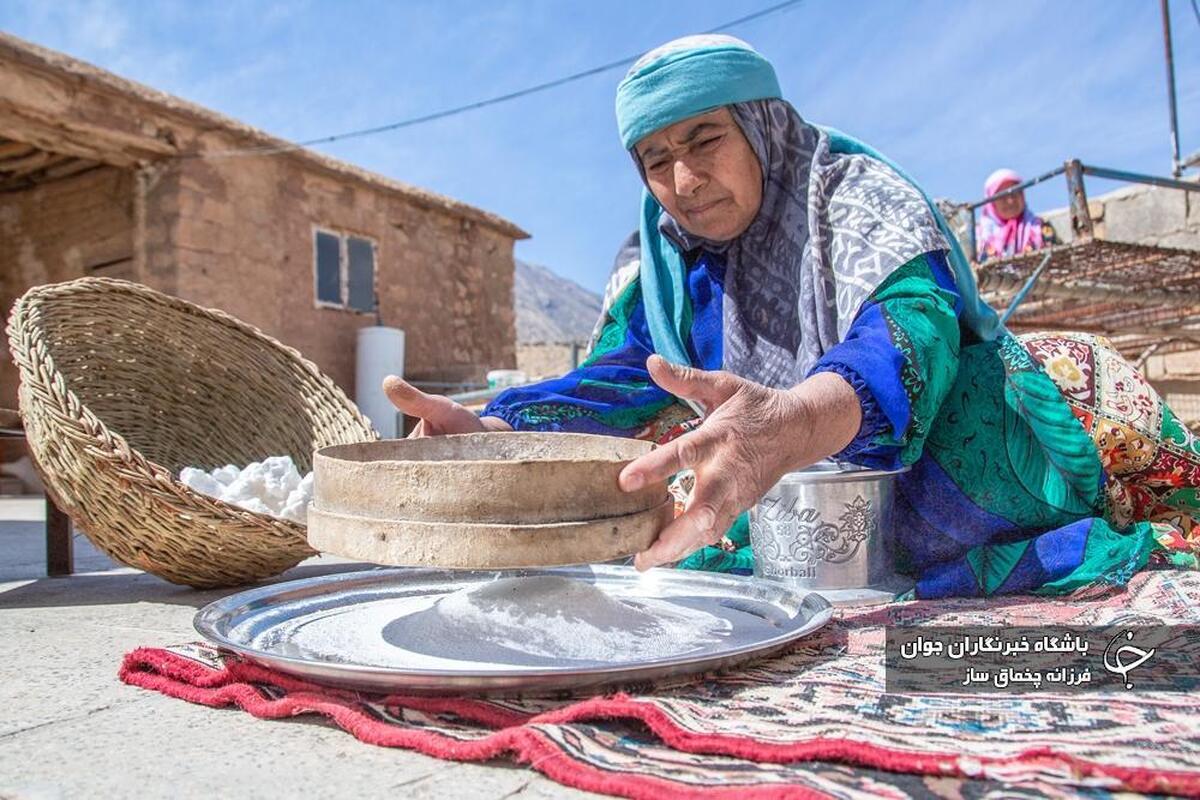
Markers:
<point>1081,218</point>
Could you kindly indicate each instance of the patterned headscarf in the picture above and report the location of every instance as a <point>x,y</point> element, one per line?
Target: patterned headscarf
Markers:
<point>996,237</point>
<point>836,218</point>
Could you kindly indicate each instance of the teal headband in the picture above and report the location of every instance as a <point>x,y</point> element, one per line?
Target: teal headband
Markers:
<point>685,83</point>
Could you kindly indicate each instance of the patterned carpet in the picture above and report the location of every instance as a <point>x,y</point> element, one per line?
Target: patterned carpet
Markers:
<point>812,723</point>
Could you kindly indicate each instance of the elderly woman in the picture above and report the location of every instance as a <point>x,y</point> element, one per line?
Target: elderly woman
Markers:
<point>791,295</point>
<point>1006,226</point>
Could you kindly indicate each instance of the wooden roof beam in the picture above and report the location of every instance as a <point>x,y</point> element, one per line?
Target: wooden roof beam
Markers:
<point>1082,290</point>
<point>79,139</point>
<point>31,163</point>
<point>9,149</point>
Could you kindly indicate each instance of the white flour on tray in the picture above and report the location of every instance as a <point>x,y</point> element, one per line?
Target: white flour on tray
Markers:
<point>557,617</point>
<point>489,627</point>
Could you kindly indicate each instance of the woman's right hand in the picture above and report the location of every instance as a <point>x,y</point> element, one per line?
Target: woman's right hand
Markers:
<point>438,414</point>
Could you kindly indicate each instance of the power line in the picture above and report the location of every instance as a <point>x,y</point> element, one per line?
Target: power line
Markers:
<point>491,101</point>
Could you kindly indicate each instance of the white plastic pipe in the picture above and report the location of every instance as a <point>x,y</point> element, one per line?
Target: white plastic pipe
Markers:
<point>380,353</point>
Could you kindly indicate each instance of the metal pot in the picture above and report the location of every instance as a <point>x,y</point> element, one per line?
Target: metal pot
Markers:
<point>828,529</point>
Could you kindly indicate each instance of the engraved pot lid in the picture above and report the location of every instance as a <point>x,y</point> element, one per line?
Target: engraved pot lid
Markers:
<point>838,472</point>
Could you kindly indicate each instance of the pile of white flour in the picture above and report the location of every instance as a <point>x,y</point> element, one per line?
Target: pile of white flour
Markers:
<point>559,618</point>
<point>499,626</point>
<point>272,486</point>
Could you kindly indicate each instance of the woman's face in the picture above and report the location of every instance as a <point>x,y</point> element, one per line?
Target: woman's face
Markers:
<point>1009,207</point>
<point>705,174</point>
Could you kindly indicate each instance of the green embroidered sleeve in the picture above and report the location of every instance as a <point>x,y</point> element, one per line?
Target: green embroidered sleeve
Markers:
<point>901,356</point>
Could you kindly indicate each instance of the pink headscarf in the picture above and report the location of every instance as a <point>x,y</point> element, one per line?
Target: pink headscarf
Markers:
<point>996,237</point>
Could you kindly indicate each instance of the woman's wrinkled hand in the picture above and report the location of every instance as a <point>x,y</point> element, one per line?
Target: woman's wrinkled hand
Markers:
<point>750,437</point>
<point>438,415</point>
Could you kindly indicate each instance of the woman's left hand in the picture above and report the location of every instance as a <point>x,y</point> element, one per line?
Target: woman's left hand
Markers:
<point>750,437</point>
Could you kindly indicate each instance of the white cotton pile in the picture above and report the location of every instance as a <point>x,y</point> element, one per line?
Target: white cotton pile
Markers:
<point>272,486</point>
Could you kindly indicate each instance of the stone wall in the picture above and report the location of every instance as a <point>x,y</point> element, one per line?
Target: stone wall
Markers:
<point>82,225</point>
<point>245,245</point>
<point>1140,214</point>
<point>549,359</point>
<point>237,233</point>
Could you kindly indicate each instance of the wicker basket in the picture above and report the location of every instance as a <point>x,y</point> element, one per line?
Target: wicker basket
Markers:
<point>122,386</point>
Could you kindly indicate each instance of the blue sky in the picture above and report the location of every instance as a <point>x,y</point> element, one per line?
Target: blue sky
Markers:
<point>948,89</point>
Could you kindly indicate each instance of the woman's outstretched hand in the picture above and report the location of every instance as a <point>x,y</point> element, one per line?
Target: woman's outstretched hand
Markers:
<point>438,414</point>
<point>751,436</point>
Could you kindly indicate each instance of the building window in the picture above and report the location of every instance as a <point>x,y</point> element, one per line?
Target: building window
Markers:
<point>345,271</point>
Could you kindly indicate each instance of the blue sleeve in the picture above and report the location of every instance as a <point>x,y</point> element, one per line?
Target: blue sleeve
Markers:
<point>611,393</point>
<point>900,355</point>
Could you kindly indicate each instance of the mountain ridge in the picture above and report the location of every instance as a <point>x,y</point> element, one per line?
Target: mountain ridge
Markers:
<point>550,308</point>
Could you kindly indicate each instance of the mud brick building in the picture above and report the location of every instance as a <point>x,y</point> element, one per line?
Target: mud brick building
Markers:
<point>103,176</point>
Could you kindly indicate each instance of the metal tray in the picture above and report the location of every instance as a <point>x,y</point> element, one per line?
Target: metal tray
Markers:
<point>378,631</point>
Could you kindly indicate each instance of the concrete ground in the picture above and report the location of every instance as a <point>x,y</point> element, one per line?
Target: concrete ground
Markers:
<point>69,728</point>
